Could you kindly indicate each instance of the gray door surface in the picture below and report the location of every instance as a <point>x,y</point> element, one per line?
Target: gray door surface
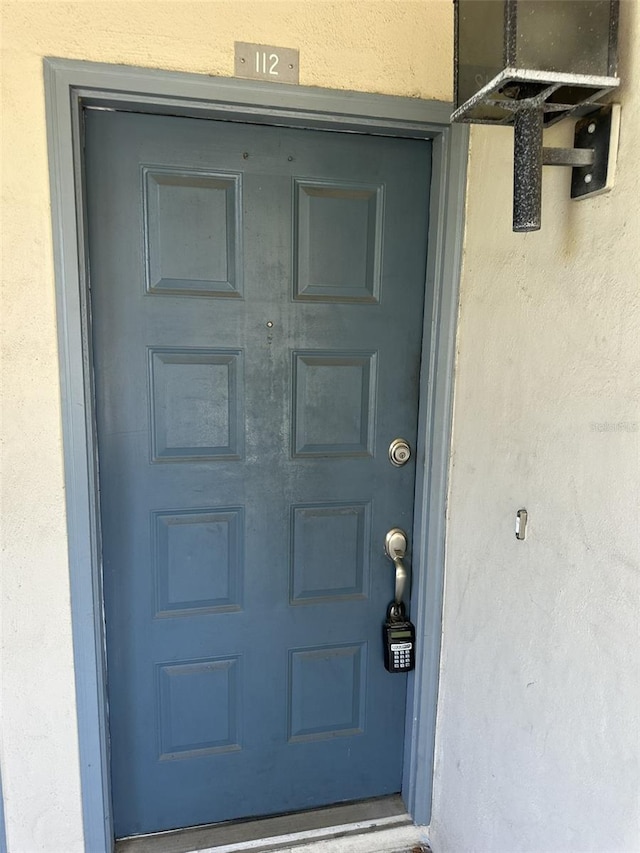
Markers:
<point>257,302</point>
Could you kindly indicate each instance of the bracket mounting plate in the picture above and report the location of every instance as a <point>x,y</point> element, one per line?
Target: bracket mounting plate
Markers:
<point>598,131</point>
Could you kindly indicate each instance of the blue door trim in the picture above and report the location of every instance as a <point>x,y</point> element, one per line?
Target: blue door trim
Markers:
<point>3,832</point>
<point>70,85</point>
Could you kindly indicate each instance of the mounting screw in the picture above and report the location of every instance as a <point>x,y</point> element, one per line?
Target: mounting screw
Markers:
<point>588,178</point>
<point>592,127</point>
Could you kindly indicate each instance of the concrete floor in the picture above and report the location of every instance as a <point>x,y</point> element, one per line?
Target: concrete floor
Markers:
<point>405,839</point>
<point>371,826</point>
<point>380,825</point>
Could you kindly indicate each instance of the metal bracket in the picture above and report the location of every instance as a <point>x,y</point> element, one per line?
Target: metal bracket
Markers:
<point>594,155</point>
<point>599,131</point>
<point>593,160</point>
<point>568,156</point>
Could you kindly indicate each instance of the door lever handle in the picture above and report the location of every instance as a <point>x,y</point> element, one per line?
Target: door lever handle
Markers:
<point>395,547</point>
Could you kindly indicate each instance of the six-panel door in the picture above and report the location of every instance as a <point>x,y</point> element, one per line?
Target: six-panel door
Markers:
<point>256,297</point>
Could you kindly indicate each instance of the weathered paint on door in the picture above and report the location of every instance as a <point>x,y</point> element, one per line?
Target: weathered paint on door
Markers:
<point>257,300</point>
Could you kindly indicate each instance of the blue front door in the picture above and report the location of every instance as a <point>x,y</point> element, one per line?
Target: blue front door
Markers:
<point>257,302</point>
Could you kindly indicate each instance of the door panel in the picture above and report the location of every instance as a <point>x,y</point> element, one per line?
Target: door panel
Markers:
<point>257,298</point>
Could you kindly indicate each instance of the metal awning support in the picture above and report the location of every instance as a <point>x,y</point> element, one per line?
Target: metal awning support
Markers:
<point>592,159</point>
<point>530,64</point>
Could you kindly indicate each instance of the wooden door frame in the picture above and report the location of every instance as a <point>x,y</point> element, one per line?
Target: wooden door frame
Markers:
<point>71,85</point>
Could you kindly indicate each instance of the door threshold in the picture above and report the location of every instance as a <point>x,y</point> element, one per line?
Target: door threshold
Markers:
<point>381,825</point>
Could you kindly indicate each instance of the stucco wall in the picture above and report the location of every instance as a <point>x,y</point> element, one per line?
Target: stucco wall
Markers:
<point>392,47</point>
<point>547,340</point>
<point>537,738</point>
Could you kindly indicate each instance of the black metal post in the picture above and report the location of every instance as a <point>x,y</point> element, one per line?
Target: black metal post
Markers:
<point>527,169</point>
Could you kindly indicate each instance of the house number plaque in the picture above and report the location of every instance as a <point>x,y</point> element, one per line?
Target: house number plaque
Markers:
<point>266,62</point>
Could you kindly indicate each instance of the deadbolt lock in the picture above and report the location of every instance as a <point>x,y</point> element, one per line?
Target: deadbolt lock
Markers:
<point>399,452</point>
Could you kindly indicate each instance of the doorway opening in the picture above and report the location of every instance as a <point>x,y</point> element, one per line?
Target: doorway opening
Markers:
<point>71,87</point>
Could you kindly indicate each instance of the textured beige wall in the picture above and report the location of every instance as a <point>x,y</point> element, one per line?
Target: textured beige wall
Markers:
<point>392,46</point>
<point>538,734</point>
